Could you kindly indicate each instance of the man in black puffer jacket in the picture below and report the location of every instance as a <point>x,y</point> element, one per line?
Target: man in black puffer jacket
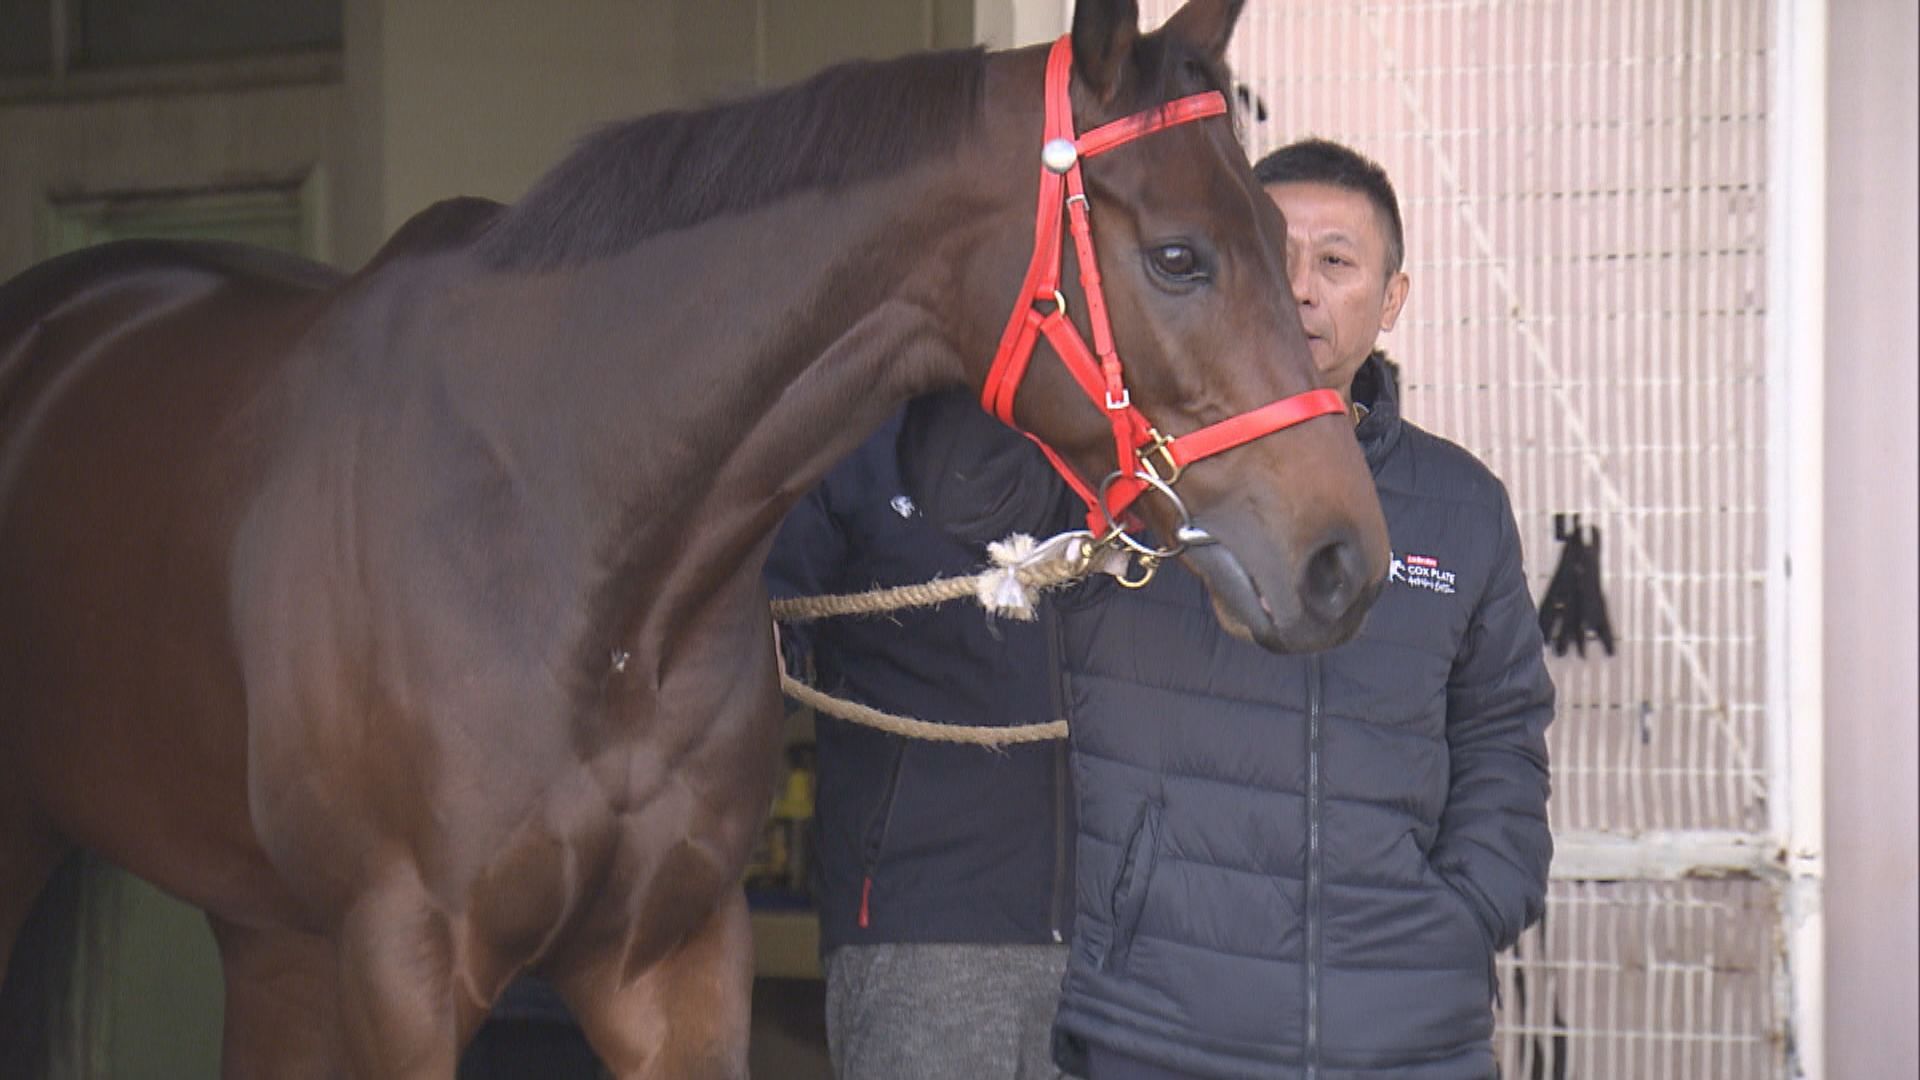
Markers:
<point>1301,866</point>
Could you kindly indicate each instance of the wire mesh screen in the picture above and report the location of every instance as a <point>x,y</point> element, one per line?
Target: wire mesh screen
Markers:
<point>1647,980</point>
<point>1584,186</point>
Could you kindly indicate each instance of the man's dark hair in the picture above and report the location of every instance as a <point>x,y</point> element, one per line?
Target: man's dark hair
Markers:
<point>1320,161</point>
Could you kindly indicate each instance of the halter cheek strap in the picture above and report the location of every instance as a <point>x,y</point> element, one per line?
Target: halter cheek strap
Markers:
<point>1147,460</point>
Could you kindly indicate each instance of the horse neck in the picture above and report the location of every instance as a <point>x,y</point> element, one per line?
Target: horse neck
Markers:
<point>681,397</point>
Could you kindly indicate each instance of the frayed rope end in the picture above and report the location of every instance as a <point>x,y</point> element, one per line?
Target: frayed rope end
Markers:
<point>1000,590</point>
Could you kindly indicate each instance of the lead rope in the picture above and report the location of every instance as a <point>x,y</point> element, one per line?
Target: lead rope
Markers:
<point>908,727</point>
<point>1022,570</point>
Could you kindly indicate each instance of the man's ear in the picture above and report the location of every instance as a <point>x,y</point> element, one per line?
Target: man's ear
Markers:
<point>1104,32</point>
<point>1396,299</point>
<point>1207,25</point>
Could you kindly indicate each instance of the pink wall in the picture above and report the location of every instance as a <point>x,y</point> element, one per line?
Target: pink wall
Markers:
<point>1872,708</point>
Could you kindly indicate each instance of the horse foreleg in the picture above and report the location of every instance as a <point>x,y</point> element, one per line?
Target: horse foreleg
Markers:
<point>397,1005</point>
<point>281,1019</point>
<point>684,1018</point>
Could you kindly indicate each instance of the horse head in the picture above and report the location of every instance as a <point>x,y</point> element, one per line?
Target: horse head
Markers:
<point>1181,405</point>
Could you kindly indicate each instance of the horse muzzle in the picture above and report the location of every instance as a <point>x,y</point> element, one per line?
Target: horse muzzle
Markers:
<point>1334,590</point>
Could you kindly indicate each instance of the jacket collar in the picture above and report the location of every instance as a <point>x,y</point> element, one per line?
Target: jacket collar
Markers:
<point>1376,388</point>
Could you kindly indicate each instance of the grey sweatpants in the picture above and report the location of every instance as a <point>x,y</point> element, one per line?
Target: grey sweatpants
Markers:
<point>943,1012</point>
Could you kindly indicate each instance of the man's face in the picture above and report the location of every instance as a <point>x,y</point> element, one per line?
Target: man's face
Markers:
<point>1337,263</point>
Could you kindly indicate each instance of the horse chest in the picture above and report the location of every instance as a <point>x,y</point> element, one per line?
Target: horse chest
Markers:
<point>628,851</point>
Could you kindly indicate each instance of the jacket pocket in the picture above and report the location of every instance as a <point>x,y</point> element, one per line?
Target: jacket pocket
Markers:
<point>1130,888</point>
<point>1470,911</point>
<point>1468,905</point>
<point>873,839</point>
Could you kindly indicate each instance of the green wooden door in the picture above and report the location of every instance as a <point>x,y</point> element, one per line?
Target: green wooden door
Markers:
<point>268,217</point>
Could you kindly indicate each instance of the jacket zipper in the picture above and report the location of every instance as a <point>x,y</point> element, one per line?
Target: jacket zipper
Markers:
<point>1058,915</point>
<point>1313,868</point>
<point>1062,878</point>
<point>877,837</point>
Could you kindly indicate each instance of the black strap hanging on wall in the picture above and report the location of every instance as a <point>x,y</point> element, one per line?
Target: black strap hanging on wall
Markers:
<point>1573,607</point>
<point>1250,103</point>
<point>1546,1059</point>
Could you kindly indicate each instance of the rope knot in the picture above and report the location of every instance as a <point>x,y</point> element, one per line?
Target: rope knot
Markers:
<point>1022,567</point>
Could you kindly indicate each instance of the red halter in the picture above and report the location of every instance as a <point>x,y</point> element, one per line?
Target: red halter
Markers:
<point>1137,445</point>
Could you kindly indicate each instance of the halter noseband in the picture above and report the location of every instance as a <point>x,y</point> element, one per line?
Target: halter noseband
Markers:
<point>1147,459</point>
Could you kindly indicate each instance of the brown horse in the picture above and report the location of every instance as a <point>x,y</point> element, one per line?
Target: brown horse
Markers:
<point>410,623</point>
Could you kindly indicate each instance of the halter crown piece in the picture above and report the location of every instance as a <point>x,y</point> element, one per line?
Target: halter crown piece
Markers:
<point>1147,459</point>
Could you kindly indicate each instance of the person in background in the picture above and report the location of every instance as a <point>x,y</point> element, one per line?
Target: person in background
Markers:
<point>942,872</point>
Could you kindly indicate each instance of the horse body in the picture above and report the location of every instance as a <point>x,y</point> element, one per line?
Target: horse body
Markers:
<point>401,603</point>
<point>114,628</point>
<point>410,622</point>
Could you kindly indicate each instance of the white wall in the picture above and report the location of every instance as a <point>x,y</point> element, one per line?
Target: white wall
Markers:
<point>450,97</point>
<point>1872,707</point>
<point>1006,24</point>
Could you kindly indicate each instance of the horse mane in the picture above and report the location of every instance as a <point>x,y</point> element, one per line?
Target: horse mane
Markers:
<point>635,179</point>
<point>445,224</point>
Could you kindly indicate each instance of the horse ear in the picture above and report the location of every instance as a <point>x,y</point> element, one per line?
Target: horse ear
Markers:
<point>1103,35</point>
<point>1207,25</point>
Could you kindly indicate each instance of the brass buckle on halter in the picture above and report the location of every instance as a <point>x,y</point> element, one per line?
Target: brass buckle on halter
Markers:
<point>1160,446</point>
<point>1148,567</point>
<point>1136,553</point>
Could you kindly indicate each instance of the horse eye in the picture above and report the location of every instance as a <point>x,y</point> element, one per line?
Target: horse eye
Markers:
<point>1177,263</point>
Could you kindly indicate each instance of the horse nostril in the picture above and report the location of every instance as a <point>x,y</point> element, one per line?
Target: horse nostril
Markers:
<point>1332,580</point>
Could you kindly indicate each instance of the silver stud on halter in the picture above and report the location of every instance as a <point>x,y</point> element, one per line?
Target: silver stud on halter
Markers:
<point>1058,155</point>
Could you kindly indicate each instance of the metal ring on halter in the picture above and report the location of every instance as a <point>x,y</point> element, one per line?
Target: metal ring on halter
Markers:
<point>1149,566</point>
<point>1116,532</point>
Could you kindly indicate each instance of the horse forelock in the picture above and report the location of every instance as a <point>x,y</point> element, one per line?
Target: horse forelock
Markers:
<point>635,179</point>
